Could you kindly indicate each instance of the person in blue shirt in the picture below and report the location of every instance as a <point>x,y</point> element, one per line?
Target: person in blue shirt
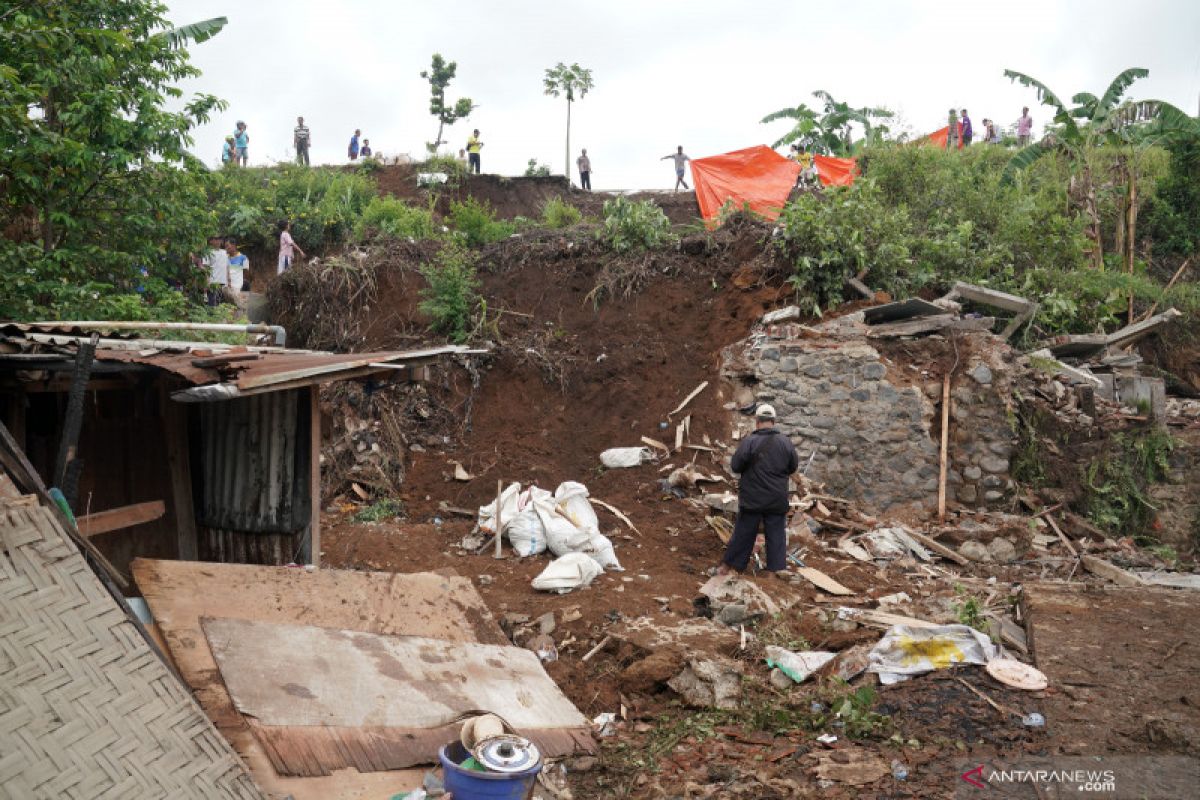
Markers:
<point>352,150</point>
<point>241,140</point>
<point>228,151</point>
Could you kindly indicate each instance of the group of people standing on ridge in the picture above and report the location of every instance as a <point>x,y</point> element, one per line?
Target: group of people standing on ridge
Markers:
<point>960,132</point>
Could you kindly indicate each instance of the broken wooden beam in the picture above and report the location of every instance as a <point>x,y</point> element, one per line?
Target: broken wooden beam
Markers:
<point>822,581</point>
<point>930,324</point>
<point>1139,330</point>
<point>1061,369</point>
<point>940,549</point>
<point>1104,569</point>
<point>124,517</point>
<point>860,287</point>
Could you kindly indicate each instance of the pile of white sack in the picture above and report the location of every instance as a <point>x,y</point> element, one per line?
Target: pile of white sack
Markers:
<point>534,520</point>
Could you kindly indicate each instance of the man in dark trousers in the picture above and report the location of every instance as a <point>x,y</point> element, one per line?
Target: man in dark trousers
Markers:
<point>765,460</point>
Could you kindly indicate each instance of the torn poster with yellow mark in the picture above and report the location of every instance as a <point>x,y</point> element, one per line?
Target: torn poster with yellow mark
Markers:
<point>905,651</point>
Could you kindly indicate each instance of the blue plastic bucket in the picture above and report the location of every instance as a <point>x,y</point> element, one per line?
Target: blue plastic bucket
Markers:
<point>467,784</point>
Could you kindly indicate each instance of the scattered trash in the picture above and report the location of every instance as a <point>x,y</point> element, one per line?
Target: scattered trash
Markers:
<point>623,457</point>
<point>797,666</point>
<point>605,724</point>
<point>723,590</point>
<point>899,770</point>
<point>544,646</point>
<point>1033,720</point>
<point>460,474</point>
<point>1016,674</point>
<point>826,738</point>
<point>565,573</point>
<point>905,651</point>
<point>893,542</point>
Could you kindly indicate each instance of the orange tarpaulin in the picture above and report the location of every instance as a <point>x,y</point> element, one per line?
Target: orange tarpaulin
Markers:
<point>835,171</point>
<point>757,176</point>
<point>938,138</point>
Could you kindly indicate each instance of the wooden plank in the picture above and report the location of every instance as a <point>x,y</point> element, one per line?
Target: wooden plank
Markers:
<point>175,436</point>
<point>919,325</point>
<point>416,682</point>
<point>991,297</point>
<point>1102,568</point>
<point>123,517</point>
<point>860,287</point>
<point>943,445</point>
<point>822,581</point>
<point>883,619</point>
<point>424,604</point>
<point>1138,330</point>
<point>314,475</point>
<point>688,399</point>
<point>940,549</point>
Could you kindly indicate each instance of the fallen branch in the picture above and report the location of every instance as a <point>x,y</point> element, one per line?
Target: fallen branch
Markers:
<point>940,549</point>
<point>988,700</point>
<point>617,513</point>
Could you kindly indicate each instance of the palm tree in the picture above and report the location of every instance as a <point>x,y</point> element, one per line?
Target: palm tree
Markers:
<point>1129,126</point>
<point>573,81</point>
<point>829,132</point>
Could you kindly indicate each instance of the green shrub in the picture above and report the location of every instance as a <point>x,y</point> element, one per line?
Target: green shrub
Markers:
<point>1115,483</point>
<point>634,226</point>
<point>557,213</point>
<point>831,237</point>
<point>394,217</point>
<point>323,203</point>
<point>535,170</point>
<point>451,293</point>
<point>474,222</point>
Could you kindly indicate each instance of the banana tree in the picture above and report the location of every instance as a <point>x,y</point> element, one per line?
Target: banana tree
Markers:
<point>829,131</point>
<point>197,32</point>
<point>1130,127</point>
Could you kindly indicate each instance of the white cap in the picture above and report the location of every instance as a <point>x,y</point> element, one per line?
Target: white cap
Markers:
<point>765,412</point>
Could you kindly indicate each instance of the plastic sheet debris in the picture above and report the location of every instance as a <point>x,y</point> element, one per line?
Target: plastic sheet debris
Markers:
<point>797,666</point>
<point>894,542</point>
<point>605,724</point>
<point>563,574</point>
<point>905,651</point>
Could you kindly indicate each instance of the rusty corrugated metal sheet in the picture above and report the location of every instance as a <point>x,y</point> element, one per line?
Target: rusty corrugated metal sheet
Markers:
<point>254,458</point>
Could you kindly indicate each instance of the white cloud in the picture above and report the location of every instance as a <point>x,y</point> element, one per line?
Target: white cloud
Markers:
<point>698,73</point>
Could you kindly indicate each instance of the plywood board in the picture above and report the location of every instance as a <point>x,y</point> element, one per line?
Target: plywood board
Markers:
<point>380,702</point>
<point>823,581</point>
<point>179,593</point>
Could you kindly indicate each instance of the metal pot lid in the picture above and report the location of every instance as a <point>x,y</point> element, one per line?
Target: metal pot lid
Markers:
<point>507,753</point>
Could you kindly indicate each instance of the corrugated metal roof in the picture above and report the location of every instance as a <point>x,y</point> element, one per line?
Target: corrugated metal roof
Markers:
<point>260,368</point>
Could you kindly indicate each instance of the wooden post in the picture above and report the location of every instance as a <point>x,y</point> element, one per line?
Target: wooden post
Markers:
<point>179,464</point>
<point>499,524</point>
<point>945,437</point>
<point>314,459</point>
<point>66,465</point>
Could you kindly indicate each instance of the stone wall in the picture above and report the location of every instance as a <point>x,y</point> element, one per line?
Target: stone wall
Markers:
<point>871,423</point>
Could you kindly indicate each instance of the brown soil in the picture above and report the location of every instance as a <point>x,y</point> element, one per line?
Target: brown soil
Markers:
<point>575,370</point>
<point>525,197</point>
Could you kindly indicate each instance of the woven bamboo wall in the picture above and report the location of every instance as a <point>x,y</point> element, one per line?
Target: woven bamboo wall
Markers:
<point>87,709</point>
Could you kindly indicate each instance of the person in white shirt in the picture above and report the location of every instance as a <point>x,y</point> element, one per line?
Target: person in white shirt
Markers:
<point>680,167</point>
<point>217,263</point>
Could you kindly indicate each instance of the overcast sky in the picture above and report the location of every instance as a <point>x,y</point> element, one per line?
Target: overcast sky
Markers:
<point>698,74</point>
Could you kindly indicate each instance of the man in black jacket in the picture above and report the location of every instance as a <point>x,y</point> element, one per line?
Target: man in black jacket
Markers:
<point>765,461</point>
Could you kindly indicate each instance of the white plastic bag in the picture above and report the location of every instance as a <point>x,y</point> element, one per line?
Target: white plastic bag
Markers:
<point>618,457</point>
<point>905,651</point>
<point>572,571</point>
<point>797,666</point>
<point>572,499</point>
<point>525,533</point>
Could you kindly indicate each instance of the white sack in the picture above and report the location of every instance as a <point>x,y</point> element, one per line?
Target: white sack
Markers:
<point>617,457</point>
<point>561,534</point>
<point>572,498</point>
<point>525,533</point>
<point>904,651</point>
<point>572,571</point>
<point>509,506</point>
<point>600,547</point>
